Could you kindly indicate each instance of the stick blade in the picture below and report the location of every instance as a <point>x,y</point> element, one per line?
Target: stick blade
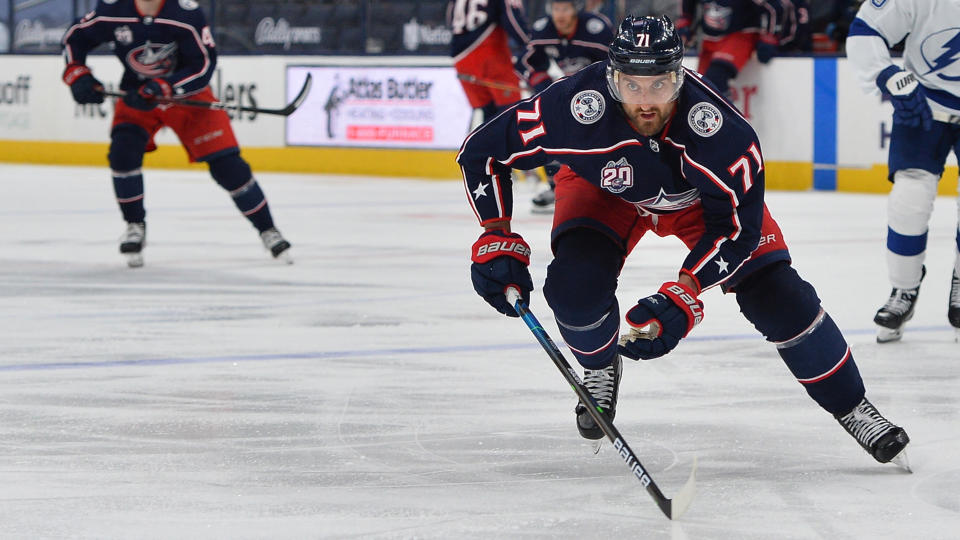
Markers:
<point>680,503</point>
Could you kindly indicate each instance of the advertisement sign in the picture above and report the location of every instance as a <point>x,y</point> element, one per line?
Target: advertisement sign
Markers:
<point>380,107</point>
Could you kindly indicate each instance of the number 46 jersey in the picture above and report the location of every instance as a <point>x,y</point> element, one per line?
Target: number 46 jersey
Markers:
<point>175,45</point>
<point>707,154</point>
<point>473,21</point>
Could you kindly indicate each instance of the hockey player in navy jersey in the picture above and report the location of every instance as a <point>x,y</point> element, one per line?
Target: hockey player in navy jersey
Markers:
<point>167,51</point>
<point>573,39</point>
<point>649,147</point>
<point>481,51</point>
<point>925,94</point>
<point>733,29</point>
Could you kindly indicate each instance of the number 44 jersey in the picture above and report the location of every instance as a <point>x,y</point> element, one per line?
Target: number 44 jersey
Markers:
<point>707,154</point>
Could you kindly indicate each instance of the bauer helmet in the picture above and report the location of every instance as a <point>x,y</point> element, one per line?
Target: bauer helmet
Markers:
<point>645,47</point>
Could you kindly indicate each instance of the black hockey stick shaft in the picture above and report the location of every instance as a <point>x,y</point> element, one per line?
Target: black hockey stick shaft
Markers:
<point>219,106</point>
<point>672,508</point>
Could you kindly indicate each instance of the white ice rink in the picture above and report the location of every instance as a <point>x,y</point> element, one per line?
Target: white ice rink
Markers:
<point>367,392</point>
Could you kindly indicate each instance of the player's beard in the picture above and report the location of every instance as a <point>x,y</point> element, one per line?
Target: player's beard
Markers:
<point>648,120</point>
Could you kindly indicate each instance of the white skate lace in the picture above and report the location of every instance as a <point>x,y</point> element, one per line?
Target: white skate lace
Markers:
<point>955,290</point>
<point>133,234</point>
<point>271,237</point>
<point>900,301</point>
<point>601,383</point>
<point>866,424</point>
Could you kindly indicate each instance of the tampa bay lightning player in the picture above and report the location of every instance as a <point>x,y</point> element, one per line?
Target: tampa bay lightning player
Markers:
<point>925,94</point>
<point>648,147</point>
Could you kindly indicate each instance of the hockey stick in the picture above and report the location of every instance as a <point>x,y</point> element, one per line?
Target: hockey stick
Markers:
<point>487,82</point>
<point>672,508</point>
<point>946,117</point>
<point>219,106</point>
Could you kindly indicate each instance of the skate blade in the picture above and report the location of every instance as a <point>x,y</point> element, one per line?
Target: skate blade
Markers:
<point>956,337</point>
<point>541,209</point>
<point>886,335</point>
<point>134,260</point>
<point>285,257</point>
<point>596,446</point>
<point>900,460</point>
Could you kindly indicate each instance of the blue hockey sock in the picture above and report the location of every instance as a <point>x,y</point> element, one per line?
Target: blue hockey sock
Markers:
<point>234,175</point>
<point>128,188</point>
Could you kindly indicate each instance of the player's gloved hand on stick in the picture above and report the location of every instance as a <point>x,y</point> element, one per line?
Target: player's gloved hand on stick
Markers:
<point>500,260</point>
<point>767,47</point>
<point>144,98</point>
<point>83,85</point>
<point>907,96</point>
<point>675,310</point>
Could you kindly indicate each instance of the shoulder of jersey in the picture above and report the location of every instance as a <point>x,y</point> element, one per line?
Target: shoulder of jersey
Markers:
<point>706,114</point>
<point>594,24</point>
<point>584,94</point>
<point>541,24</point>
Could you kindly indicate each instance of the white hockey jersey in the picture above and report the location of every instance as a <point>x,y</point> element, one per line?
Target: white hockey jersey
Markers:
<point>931,50</point>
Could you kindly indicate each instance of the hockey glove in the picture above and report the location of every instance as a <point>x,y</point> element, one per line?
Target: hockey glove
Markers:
<point>144,98</point>
<point>83,85</point>
<point>675,309</point>
<point>500,260</point>
<point>909,100</point>
<point>767,47</point>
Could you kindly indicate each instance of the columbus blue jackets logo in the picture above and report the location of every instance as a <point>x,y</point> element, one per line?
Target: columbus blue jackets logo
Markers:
<point>665,202</point>
<point>153,59</point>
<point>587,106</point>
<point>705,119</point>
<point>616,177</point>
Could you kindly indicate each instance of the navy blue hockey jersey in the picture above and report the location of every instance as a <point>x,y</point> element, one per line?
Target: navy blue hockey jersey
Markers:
<point>723,17</point>
<point>587,45</point>
<point>707,154</point>
<point>176,45</point>
<point>473,21</point>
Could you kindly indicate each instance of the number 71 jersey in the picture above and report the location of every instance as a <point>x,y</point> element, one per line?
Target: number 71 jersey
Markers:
<point>707,154</point>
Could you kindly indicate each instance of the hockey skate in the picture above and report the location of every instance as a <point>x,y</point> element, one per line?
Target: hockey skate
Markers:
<point>276,245</point>
<point>880,438</point>
<point>953,312</point>
<point>544,202</point>
<point>604,385</point>
<point>132,242</point>
<point>892,317</point>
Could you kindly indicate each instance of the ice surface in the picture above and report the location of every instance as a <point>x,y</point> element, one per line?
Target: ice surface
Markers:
<point>367,392</point>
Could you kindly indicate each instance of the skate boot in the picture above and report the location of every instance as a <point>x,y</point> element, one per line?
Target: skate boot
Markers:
<point>603,384</point>
<point>132,242</point>
<point>892,317</point>
<point>276,245</point>
<point>544,202</point>
<point>881,439</point>
<point>953,312</point>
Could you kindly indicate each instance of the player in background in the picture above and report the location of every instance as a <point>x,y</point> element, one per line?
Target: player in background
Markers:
<point>649,147</point>
<point>731,30</point>
<point>481,51</point>
<point>572,39</point>
<point>925,94</point>
<point>167,51</point>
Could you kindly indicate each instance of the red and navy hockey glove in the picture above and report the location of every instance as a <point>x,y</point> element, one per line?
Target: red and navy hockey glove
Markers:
<point>909,100</point>
<point>500,260</point>
<point>675,309</point>
<point>83,85</point>
<point>767,47</point>
<point>144,98</point>
<point>684,25</point>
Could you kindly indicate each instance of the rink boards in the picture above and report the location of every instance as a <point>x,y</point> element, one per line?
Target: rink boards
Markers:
<point>406,116</point>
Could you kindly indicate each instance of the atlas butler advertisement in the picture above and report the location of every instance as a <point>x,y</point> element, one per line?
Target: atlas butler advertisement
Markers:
<point>391,107</point>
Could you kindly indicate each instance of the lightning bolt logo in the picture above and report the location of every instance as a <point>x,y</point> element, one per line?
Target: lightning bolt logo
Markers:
<point>950,54</point>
